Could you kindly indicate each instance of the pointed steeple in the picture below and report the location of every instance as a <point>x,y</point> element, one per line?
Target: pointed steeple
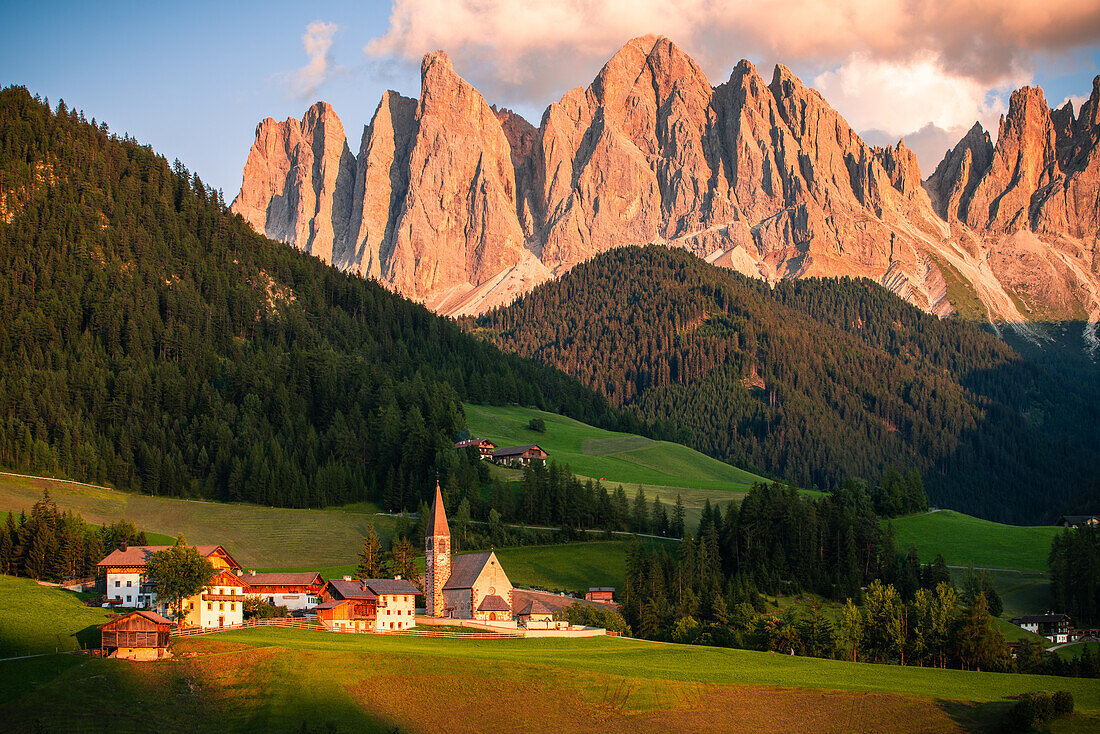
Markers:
<point>438,525</point>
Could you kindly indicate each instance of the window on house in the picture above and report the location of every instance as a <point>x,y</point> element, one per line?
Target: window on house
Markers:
<point>117,584</point>
<point>129,583</point>
<point>127,598</point>
<point>232,607</point>
<point>209,606</point>
<point>221,606</point>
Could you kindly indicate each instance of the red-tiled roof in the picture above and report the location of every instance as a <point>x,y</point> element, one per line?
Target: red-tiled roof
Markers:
<point>289,578</point>
<point>493,603</point>
<point>438,524</point>
<point>465,569</point>
<point>138,555</point>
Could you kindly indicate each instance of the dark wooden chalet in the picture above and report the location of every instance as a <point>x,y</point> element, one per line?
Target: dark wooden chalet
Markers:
<point>484,446</point>
<point>135,636</point>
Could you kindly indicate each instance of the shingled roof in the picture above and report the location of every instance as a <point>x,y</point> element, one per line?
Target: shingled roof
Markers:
<point>138,555</point>
<point>515,450</point>
<point>354,589</point>
<point>288,578</point>
<point>465,569</point>
<point>493,603</point>
<point>534,606</point>
<point>391,586</point>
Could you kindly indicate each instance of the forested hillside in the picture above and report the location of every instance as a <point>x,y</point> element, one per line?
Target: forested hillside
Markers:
<point>151,340</point>
<point>814,380</point>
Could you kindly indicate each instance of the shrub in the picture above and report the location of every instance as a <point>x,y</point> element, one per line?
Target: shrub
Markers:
<point>537,424</point>
<point>1032,710</point>
<point>1063,702</point>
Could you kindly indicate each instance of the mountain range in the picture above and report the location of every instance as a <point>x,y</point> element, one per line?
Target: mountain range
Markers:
<point>464,206</point>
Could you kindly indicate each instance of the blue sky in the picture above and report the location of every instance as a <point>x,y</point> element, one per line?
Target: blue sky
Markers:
<point>193,79</point>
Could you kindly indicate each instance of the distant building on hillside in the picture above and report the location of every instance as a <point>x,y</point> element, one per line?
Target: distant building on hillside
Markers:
<point>136,636</point>
<point>519,455</point>
<point>603,594</point>
<point>367,605</point>
<point>484,446</point>
<point>1054,627</point>
<point>1077,521</point>
<point>124,573</point>
<point>286,589</point>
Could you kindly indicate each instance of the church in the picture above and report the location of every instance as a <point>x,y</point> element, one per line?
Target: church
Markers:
<point>469,586</point>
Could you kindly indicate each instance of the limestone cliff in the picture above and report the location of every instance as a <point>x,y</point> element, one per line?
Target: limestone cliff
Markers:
<point>465,206</point>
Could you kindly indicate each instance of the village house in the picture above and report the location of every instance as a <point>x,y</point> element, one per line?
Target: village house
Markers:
<point>1054,627</point>
<point>291,589</point>
<point>468,586</point>
<point>135,636</point>
<point>603,594</point>
<point>519,455</point>
<point>367,605</point>
<point>219,604</point>
<point>484,446</point>
<point>123,572</point>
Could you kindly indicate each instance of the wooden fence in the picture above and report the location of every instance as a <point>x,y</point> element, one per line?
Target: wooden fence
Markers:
<point>307,624</point>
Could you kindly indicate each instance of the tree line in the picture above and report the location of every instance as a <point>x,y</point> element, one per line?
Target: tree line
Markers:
<point>1074,563</point>
<point>53,545</point>
<point>813,381</point>
<point>150,340</point>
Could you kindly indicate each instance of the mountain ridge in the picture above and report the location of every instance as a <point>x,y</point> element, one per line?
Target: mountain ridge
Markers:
<point>762,176</point>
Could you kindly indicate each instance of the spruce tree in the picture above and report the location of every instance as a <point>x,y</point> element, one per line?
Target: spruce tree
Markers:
<point>372,563</point>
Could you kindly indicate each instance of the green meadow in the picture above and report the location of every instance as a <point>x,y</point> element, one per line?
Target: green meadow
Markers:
<point>281,679</point>
<point>968,541</point>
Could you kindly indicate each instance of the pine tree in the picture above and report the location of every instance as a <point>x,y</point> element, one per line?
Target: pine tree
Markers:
<point>372,563</point>
<point>677,528</point>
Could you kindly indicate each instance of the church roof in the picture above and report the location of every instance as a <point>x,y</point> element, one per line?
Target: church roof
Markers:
<point>438,522</point>
<point>493,603</point>
<point>465,569</point>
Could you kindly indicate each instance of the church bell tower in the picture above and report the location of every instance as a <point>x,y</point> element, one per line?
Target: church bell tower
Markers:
<point>437,557</point>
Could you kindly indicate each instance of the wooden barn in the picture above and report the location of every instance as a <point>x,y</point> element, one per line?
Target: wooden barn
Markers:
<point>135,636</point>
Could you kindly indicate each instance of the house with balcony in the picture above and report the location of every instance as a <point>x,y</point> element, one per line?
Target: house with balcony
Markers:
<point>126,585</point>
<point>367,605</point>
<point>292,590</point>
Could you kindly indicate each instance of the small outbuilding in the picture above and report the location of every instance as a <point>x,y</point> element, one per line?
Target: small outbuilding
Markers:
<point>535,615</point>
<point>136,636</point>
<point>603,594</point>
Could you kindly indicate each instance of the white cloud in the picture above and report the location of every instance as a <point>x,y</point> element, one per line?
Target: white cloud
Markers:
<point>1077,100</point>
<point>317,42</point>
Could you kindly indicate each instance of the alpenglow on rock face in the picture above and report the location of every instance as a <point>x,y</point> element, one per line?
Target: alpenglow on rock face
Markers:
<point>465,206</point>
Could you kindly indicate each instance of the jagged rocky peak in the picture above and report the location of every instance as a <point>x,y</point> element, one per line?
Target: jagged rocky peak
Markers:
<point>465,205</point>
<point>952,184</point>
<point>297,180</point>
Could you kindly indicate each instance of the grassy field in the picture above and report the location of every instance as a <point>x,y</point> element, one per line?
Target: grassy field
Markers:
<point>39,619</point>
<point>661,468</point>
<point>968,541</point>
<point>276,679</point>
<point>253,534</point>
<point>1071,651</point>
<point>618,458</point>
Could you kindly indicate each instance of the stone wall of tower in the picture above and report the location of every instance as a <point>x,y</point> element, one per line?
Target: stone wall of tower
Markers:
<point>437,569</point>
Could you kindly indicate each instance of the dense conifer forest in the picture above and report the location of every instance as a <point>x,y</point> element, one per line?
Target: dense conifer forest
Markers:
<point>150,340</point>
<point>814,381</point>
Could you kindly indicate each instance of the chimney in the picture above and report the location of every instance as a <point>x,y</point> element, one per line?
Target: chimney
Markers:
<point>347,578</point>
<point>396,578</point>
<point>123,545</point>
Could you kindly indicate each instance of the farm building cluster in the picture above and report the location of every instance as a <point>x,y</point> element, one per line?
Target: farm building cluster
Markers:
<point>507,455</point>
<point>471,587</point>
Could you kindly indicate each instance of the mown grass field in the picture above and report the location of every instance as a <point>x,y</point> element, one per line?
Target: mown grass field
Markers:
<point>968,541</point>
<point>270,539</point>
<point>40,619</point>
<point>255,535</point>
<point>617,458</point>
<point>278,679</point>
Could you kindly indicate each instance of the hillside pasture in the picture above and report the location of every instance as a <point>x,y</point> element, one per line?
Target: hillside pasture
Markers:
<point>969,541</point>
<point>255,535</point>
